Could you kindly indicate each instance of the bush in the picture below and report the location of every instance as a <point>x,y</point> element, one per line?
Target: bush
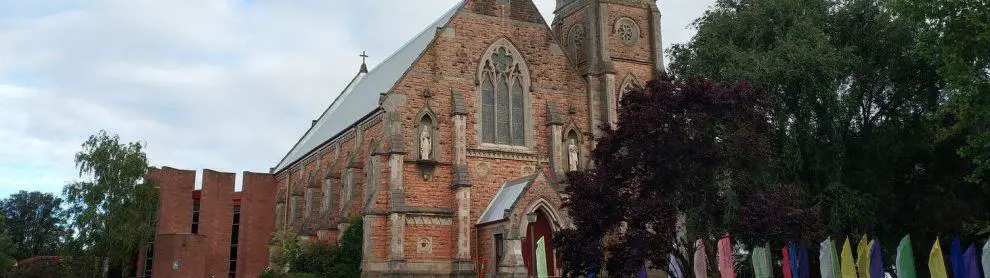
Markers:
<point>317,258</point>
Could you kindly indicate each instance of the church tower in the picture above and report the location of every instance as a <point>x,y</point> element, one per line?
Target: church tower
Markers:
<point>615,44</point>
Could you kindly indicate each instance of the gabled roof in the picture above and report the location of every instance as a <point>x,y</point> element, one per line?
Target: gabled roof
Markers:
<point>361,96</point>
<point>504,199</point>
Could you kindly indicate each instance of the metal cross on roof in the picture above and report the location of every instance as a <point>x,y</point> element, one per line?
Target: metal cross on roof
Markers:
<point>363,56</point>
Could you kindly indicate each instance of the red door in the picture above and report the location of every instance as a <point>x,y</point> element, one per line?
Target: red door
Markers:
<point>534,231</point>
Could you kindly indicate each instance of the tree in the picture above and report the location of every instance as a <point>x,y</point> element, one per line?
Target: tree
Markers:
<point>35,222</point>
<point>860,106</point>
<point>6,247</point>
<point>690,147</point>
<point>113,206</point>
<point>954,34</point>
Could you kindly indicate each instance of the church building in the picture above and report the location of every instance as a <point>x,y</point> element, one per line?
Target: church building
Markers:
<point>453,150</point>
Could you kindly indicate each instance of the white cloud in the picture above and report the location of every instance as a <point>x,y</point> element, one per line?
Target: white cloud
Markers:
<point>221,84</point>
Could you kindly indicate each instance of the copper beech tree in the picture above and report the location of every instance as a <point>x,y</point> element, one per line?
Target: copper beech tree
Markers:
<point>690,147</point>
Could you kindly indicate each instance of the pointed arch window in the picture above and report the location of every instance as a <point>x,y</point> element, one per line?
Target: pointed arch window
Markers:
<point>503,98</point>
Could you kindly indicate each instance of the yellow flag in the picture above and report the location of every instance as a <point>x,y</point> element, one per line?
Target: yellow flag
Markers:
<point>936,264</point>
<point>863,258</point>
<point>848,267</point>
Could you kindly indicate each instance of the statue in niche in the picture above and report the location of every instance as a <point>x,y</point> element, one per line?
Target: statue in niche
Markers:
<point>572,155</point>
<point>425,143</point>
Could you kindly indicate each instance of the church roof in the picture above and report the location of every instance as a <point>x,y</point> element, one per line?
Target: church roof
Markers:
<point>360,97</point>
<point>504,199</point>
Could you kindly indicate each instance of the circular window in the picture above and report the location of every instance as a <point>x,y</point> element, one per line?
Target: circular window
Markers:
<point>627,30</point>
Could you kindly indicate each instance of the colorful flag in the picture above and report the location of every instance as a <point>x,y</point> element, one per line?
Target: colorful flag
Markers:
<point>863,258</point>
<point>825,257</point>
<point>848,267</point>
<point>836,270</point>
<point>541,259</point>
<point>675,267</point>
<point>876,260</point>
<point>761,262</point>
<point>726,263</point>
<point>787,262</point>
<point>956,258</point>
<point>936,264</point>
<point>794,259</point>
<point>905,259</point>
<point>970,263</point>
<point>804,268</point>
<point>986,259</point>
<point>700,260</point>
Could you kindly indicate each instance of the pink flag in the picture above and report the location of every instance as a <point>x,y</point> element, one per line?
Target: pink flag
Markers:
<point>700,260</point>
<point>726,266</point>
<point>787,262</point>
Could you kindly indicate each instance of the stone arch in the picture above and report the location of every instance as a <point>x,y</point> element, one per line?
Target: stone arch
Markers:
<point>427,121</point>
<point>576,38</point>
<point>572,132</point>
<point>503,60</point>
<point>628,84</point>
<point>543,205</point>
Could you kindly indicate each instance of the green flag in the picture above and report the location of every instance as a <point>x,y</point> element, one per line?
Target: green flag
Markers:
<point>905,259</point>
<point>541,259</point>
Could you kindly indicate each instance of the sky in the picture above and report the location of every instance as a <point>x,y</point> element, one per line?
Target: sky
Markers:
<point>227,85</point>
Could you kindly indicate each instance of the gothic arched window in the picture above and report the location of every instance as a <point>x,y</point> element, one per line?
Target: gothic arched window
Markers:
<point>504,84</point>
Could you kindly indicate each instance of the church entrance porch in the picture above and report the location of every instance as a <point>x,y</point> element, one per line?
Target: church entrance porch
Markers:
<point>535,231</point>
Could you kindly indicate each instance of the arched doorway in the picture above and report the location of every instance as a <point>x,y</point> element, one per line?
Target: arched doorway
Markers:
<point>534,231</point>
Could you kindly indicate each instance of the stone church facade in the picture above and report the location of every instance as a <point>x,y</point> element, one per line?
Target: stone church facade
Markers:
<point>452,151</point>
<point>465,133</point>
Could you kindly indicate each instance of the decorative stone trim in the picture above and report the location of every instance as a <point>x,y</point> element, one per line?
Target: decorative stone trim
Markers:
<point>497,154</point>
<point>422,220</point>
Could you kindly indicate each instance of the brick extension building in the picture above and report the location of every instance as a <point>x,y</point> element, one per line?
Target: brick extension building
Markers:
<point>447,150</point>
<point>213,231</point>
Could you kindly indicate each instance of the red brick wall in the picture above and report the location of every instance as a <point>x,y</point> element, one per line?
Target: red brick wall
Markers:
<point>257,223</point>
<point>176,201</point>
<point>216,215</point>
<point>184,249</point>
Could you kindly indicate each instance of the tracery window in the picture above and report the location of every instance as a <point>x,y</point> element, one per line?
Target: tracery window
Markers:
<point>577,37</point>
<point>503,98</point>
<point>627,30</point>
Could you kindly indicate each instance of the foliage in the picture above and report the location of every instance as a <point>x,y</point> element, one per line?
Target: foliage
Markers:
<point>318,258</point>
<point>348,263</point>
<point>113,207</point>
<point>680,146</point>
<point>44,267</point>
<point>288,247</point>
<point>315,257</point>
<point>6,247</point>
<point>35,222</point>
<point>955,34</point>
<point>870,125</point>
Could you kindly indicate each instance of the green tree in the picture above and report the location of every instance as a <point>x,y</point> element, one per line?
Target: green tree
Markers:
<point>6,247</point>
<point>113,206</point>
<point>35,223</point>
<point>870,126</point>
<point>955,34</point>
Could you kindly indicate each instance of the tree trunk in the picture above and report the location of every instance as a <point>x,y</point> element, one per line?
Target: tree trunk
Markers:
<point>106,267</point>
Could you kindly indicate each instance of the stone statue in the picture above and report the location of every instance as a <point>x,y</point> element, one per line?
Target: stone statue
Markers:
<point>572,155</point>
<point>425,144</point>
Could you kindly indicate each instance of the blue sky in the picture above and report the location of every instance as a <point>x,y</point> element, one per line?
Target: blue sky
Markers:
<point>219,84</point>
